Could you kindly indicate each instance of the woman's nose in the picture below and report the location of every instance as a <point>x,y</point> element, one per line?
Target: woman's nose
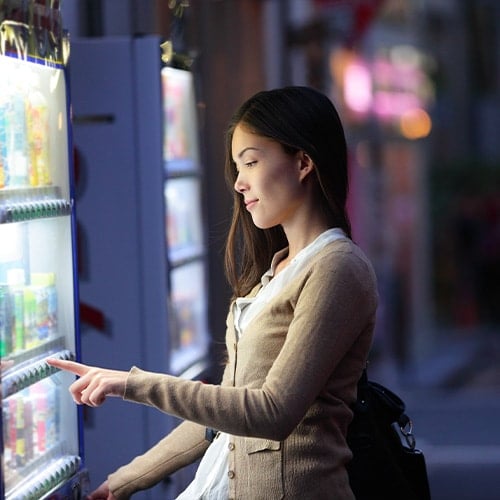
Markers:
<point>239,185</point>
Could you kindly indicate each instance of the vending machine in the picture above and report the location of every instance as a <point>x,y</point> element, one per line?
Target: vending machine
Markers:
<point>184,241</point>
<point>143,277</point>
<point>41,428</point>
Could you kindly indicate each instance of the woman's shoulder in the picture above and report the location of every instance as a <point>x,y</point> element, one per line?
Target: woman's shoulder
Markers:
<point>342,249</point>
<point>342,256</point>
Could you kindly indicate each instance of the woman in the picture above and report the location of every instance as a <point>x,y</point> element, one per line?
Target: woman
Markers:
<point>299,327</point>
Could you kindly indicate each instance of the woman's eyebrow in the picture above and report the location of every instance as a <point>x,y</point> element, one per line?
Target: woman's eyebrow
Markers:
<point>244,150</point>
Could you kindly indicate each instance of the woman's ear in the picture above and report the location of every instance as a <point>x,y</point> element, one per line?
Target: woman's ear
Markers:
<point>306,165</point>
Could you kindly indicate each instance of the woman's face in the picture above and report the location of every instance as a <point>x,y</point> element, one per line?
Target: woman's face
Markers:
<point>269,179</point>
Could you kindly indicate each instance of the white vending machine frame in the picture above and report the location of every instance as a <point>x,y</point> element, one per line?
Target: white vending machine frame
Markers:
<point>126,273</point>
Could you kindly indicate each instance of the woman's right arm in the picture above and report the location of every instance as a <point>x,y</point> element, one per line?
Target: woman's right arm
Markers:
<point>181,447</point>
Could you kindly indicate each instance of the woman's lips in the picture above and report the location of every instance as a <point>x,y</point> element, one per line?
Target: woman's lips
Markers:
<point>250,203</point>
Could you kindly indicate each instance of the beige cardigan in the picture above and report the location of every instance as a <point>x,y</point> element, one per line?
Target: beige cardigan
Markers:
<point>285,393</point>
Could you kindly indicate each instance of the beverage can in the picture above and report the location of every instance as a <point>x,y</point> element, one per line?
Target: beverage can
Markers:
<point>12,430</point>
<point>38,393</point>
<point>51,415</point>
<point>49,281</point>
<point>20,426</point>
<point>46,303</point>
<point>17,145</point>
<point>4,172</point>
<point>7,419</point>
<point>28,430</point>
<point>6,321</point>
<point>30,330</point>
<point>18,299</point>
<point>37,123</point>
<point>41,312</point>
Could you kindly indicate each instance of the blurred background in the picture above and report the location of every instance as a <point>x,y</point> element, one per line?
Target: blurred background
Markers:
<point>417,84</point>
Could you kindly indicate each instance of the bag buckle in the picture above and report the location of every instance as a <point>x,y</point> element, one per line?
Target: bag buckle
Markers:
<point>407,431</point>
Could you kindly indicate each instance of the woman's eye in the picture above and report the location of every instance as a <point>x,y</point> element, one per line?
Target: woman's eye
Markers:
<point>250,163</point>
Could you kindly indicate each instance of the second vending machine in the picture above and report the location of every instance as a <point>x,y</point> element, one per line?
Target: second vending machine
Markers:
<point>141,225</point>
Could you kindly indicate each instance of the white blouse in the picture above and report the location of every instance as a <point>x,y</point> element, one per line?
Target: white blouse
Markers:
<point>211,479</point>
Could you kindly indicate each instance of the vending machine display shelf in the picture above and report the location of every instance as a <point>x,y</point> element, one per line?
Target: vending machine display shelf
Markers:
<point>20,359</point>
<point>185,255</point>
<point>181,168</point>
<point>31,373</point>
<point>41,209</point>
<point>43,482</point>
<point>26,203</point>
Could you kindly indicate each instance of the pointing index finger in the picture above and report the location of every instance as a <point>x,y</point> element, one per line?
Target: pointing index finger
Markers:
<point>70,366</point>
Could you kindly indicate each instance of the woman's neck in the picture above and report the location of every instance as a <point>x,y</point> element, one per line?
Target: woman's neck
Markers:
<point>301,239</point>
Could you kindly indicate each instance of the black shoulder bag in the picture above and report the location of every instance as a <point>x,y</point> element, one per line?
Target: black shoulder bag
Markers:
<point>386,463</point>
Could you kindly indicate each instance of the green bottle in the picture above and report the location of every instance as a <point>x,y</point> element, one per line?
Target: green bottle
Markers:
<point>6,322</point>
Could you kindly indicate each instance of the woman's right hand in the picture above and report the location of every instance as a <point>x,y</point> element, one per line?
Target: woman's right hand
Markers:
<point>94,384</point>
<point>102,493</point>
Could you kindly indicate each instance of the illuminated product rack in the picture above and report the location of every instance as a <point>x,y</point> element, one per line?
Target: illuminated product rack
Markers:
<point>40,426</point>
<point>33,203</point>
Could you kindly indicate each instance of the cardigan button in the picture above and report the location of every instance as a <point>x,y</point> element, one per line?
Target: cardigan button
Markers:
<point>231,474</point>
<point>231,446</point>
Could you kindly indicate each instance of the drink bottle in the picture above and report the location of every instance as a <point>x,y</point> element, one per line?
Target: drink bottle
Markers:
<point>4,173</point>
<point>37,126</point>
<point>16,138</point>
<point>6,321</point>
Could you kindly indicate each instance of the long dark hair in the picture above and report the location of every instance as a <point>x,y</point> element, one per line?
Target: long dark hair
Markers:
<point>300,119</point>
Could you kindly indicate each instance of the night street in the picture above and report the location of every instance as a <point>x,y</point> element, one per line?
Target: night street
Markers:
<point>458,433</point>
<point>456,413</point>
